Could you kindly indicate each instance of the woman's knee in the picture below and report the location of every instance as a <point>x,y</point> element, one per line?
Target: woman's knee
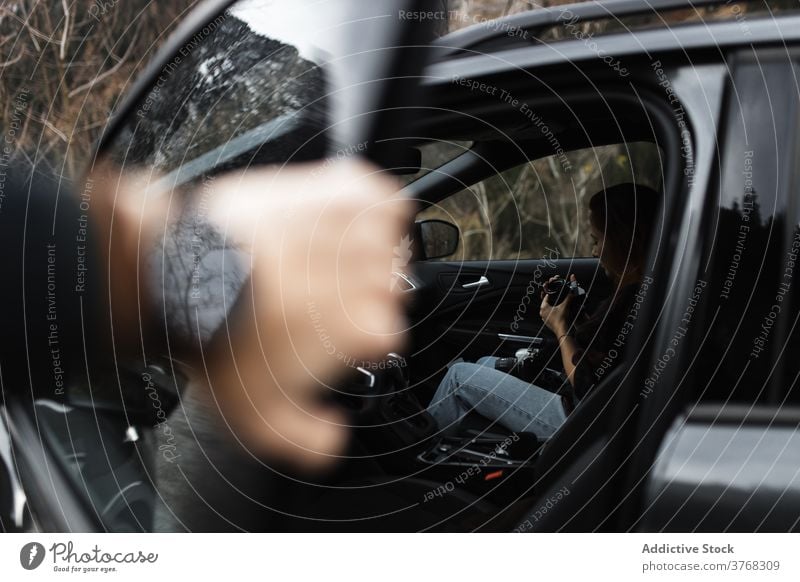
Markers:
<point>452,380</point>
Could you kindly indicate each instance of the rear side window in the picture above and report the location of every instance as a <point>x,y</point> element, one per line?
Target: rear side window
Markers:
<point>539,209</point>
<point>751,338</point>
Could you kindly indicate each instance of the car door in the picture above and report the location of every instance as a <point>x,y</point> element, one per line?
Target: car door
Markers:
<point>239,84</point>
<point>719,443</point>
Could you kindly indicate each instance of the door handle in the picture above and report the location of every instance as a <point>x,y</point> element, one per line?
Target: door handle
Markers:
<point>479,283</point>
<point>522,339</point>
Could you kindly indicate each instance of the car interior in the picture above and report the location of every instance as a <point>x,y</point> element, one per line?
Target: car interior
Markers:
<point>507,138</point>
<point>398,460</point>
<point>502,208</point>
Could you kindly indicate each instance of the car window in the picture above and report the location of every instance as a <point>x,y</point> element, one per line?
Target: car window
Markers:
<point>250,88</point>
<point>435,154</point>
<point>750,337</point>
<point>539,209</point>
<point>247,89</point>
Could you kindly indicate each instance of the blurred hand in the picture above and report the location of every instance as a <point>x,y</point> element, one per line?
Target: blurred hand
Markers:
<point>127,214</point>
<point>321,240</point>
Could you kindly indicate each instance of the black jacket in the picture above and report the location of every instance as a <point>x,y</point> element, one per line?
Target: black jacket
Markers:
<point>603,337</point>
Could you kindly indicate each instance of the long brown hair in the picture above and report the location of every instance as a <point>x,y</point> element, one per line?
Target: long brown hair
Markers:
<point>626,215</point>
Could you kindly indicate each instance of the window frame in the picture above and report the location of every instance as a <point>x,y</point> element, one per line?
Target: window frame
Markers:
<point>499,170</point>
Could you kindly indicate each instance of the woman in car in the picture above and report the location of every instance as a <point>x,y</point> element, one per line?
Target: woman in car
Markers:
<point>622,219</point>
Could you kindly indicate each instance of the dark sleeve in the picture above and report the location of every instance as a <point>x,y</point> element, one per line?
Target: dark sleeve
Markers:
<point>600,348</point>
<point>49,289</point>
<point>586,364</point>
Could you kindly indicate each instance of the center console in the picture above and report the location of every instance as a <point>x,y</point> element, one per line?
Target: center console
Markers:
<point>480,457</point>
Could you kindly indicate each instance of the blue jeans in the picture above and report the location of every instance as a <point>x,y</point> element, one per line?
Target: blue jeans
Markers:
<point>513,403</point>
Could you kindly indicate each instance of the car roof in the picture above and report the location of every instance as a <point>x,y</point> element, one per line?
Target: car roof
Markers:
<point>649,44</point>
<point>532,28</point>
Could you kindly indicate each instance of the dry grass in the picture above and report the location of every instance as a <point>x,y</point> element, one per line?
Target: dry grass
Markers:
<point>64,65</point>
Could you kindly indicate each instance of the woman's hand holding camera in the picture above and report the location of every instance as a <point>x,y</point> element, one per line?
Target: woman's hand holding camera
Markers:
<point>557,317</point>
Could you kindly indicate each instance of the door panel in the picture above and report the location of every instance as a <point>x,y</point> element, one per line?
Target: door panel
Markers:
<point>727,468</point>
<point>500,303</point>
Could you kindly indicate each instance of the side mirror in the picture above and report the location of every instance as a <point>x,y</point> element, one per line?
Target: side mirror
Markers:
<point>438,238</point>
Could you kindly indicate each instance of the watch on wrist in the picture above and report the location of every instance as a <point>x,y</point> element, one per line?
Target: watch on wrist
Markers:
<point>197,275</point>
